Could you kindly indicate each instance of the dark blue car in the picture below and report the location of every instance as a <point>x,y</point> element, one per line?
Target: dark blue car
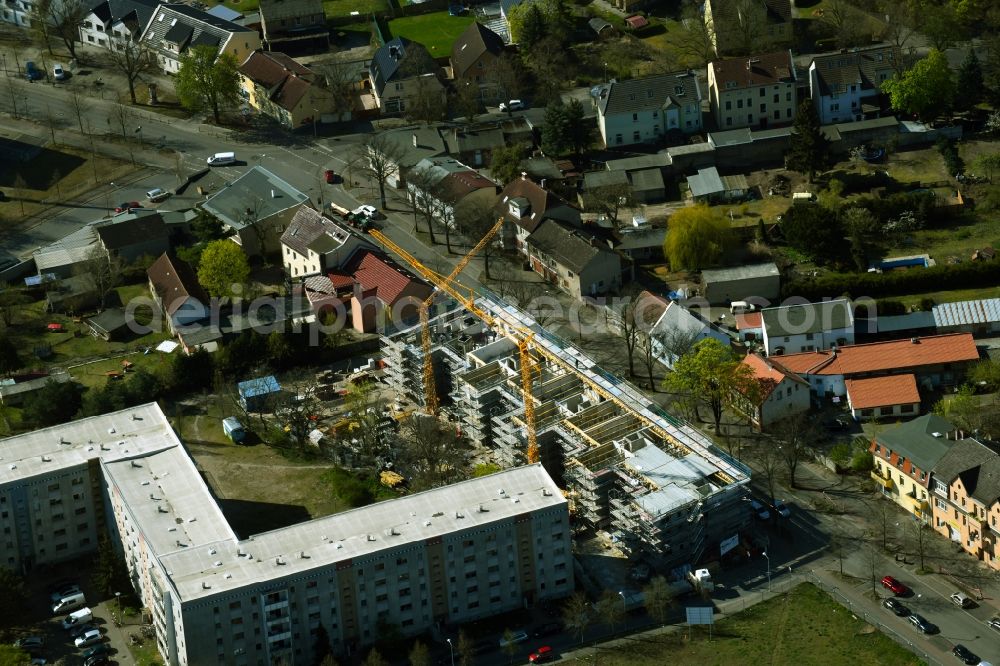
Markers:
<point>31,72</point>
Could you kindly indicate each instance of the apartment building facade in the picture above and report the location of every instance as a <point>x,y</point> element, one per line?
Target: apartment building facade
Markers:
<point>452,554</point>
<point>758,91</point>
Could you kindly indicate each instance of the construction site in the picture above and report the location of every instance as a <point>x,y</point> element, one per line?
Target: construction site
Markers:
<point>655,488</point>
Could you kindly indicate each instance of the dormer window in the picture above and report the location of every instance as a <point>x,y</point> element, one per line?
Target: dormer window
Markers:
<point>519,207</point>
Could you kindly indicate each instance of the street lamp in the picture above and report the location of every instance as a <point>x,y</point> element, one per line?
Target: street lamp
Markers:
<point>452,649</point>
<point>315,113</point>
<point>768,570</point>
<point>107,196</point>
<point>138,130</point>
<point>118,603</point>
<point>621,594</point>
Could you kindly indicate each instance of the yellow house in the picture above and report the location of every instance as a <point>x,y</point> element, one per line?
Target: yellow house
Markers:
<point>904,457</point>
<point>742,27</point>
<point>966,494</point>
<point>756,91</point>
<point>275,85</point>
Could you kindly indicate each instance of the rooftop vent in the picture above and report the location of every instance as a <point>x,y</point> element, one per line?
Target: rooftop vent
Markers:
<point>62,440</point>
<point>371,537</point>
<point>205,586</point>
<point>427,523</point>
<point>915,341</point>
<point>302,554</point>
<point>111,430</point>
<point>160,509</point>
<point>936,434</point>
<point>545,492</point>
<point>46,459</point>
<point>217,563</point>
<point>211,551</point>
<point>278,561</point>
<point>482,509</point>
<point>502,492</point>
<point>227,576</point>
<point>458,514</point>
<point>339,546</point>
<point>135,464</point>
<point>516,500</point>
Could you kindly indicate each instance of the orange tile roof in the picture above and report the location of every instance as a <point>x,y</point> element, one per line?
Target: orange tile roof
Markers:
<point>882,391</point>
<point>748,320</point>
<point>882,356</point>
<point>769,373</point>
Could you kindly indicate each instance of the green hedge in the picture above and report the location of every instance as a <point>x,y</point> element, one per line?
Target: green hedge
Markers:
<point>966,275</point>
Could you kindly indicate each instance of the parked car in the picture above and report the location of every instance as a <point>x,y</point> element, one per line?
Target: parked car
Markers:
<point>31,72</point>
<point>962,600</point>
<point>836,425</point>
<point>921,623</point>
<point>30,642</point>
<point>331,176</point>
<point>965,654</point>
<point>512,105</point>
<point>546,629</point>
<point>78,630</point>
<point>541,655</point>
<point>993,623</point>
<point>760,510</point>
<point>781,508</point>
<point>368,211</point>
<point>895,586</point>
<point>64,591</point>
<point>515,637</point>
<point>126,206</point>
<point>157,194</point>
<point>88,638</point>
<point>98,660</point>
<point>58,73</point>
<point>96,651</point>
<point>899,609</point>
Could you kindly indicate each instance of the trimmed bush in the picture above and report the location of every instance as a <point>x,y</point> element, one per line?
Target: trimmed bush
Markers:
<point>967,275</point>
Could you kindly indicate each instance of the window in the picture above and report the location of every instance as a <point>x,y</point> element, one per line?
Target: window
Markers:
<point>777,98</point>
<point>739,104</point>
<point>729,122</point>
<point>788,97</point>
<point>729,106</point>
<point>763,108</point>
<point>635,117</point>
<point>763,92</point>
<point>906,409</point>
<point>777,114</point>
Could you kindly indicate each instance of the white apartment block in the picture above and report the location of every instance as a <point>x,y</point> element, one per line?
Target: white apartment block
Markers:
<point>453,554</point>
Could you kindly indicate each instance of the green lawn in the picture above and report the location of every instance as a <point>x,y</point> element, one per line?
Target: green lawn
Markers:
<point>332,8</point>
<point>806,627</point>
<point>436,31</point>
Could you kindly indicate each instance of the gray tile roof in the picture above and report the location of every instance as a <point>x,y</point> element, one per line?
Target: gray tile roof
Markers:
<point>565,246</point>
<point>978,465</point>
<point>652,92</point>
<point>471,45</point>
<point>310,230</point>
<point>187,27</point>
<point>705,182</point>
<point>739,273</point>
<point>647,180</point>
<point>836,72</point>
<point>399,59</point>
<point>808,317</point>
<point>258,190</point>
<point>915,440</point>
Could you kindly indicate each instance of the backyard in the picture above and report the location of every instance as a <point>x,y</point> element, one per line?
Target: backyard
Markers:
<point>805,627</point>
<point>437,31</point>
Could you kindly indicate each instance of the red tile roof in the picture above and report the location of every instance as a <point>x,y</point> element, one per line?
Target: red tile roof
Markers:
<point>882,391</point>
<point>748,320</point>
<point>759,70</point>
<point>175,281</point>
<point>884,356</point>
<point>637,21</point>
<point>650,307</point>
<point>769,373</point>
<point>390,282</point>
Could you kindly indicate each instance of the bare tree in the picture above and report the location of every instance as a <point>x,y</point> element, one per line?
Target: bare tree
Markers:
<point>379,161</point>
<point>647,346</point>
<point>66,17</point>
<point>466,102</point>
<point>12,299</point>
<point>576,614</point>
<point>611,608</point>
<point>122,115</point>
<point>741,26</point>
<point>676,342</point>
<point>366,406</point>
<point>466,648</point>
<point>13,98</point>
<point>428,452</point>
<point>659,598</point>
<point>132,59</point>
<point>421,187</point>
<point>507,73</point>
<point>20,190</point>
<point>899,28</point>
<point>630,327</point>
<point>79,105</point>
<point>874,561</point>
<point>696,46</point>
<point>41,26</point>
<point>609,200</point>
<point>341,80</point>
<point>428,102</point>
<point>474,217</point>
<point>794,434</point>
<point>104,268</point>
<point>845,21</point>
<point>509,645</point>
<point>769,463</point>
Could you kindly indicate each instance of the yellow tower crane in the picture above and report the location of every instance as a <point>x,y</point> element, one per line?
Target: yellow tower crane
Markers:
<point>447,284</point>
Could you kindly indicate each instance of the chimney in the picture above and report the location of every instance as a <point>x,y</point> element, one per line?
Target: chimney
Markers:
<point>272,194</point>
<point>415,144</point>
<point>543,184</point>
<point>524,175</point>
<point>915,341</point>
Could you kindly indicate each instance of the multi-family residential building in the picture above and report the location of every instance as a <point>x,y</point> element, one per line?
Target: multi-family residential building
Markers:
<point>966,498</point>
<point>525,204</point>
<point>278,87</point>
<point>450,555</point>
<point>933,361</point>
<point>742,27</point>
<point>847,86</point>
<point>474,59</point>
<point>121,21</point>
<point>671,327</point>
<point>644,110</point>
<point>440,184</point>
<point>758,91</point>
<point>575,261</point>
<point>904,458</point>
<point>314,244</point>
<point>790,329</point>
<point>18,12</point>
<point>256,208</point>
<point>779,394</point>
<point>294,25</point>
<point>404,74</point>
<point>175,29</point>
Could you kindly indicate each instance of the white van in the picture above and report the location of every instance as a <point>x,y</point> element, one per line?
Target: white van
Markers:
<point>739,307</point>
<point>76,618</point>
<point>221,159</point>
<point>69,603</point>
<point>803,197</point>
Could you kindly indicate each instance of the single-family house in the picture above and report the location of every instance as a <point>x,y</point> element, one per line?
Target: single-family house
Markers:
<point>175,288</point>
<point>935,361</point>
<point>313,244</point>
<point>641,243</point>
<point>707,186</point>
<point>891,396</point>
<point>965,487</point>
<point>277,86</point>
<point>473,143</point>
<point>904,458</point>
<point>294,25</point>
<point>474,57</point>
<point>676,329</point>
<point>980,317</point>
<point>112,22</point>
<point>847,86</point>
<point>256,208</point>
<point>406,147</point>
<point>443,182</point>
<point>743,27</point>
<point>131,235</point>
<point>779,393</point>
<point>576,262</point>
<point>644,110</point>
<point>381,293</point>
<point>404,74</point>
<point>758,91</point>
<point>756,282</point>
<point>524,205</point>
<point>176,29</point>
<point>749,326</point>
<point>790,329</point>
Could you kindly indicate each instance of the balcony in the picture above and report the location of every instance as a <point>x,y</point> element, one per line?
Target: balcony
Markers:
<point>885,482</point>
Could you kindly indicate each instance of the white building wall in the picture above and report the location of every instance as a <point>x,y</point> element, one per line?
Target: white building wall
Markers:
<point>787,399</point>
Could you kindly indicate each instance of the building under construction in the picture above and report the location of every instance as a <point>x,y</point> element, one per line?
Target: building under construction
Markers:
<point>659,487</point>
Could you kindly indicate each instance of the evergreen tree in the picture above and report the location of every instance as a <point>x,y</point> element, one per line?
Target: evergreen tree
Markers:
<point>555,133</point>
<point>322,649</point>
<point>54,403</point>
<point>15,598</point>
<point>110,573</point>
<point>809,148</point>
<point>970,82</point>
<point>9,360</point>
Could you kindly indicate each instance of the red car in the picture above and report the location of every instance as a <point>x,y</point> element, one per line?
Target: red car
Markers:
<point>331,176</point>
<point>126,205</point>
<point>541,655</point>
<point>895,586</point>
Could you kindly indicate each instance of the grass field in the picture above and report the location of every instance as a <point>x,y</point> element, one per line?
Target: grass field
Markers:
<point>804,628</point>
<point>436,31</point>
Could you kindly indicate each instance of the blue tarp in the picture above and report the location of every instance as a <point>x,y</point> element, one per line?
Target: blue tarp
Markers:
<point>257,387</point>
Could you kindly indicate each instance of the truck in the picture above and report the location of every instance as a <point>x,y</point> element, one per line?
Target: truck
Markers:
<point>234,429</point>
<point>701,579</point>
